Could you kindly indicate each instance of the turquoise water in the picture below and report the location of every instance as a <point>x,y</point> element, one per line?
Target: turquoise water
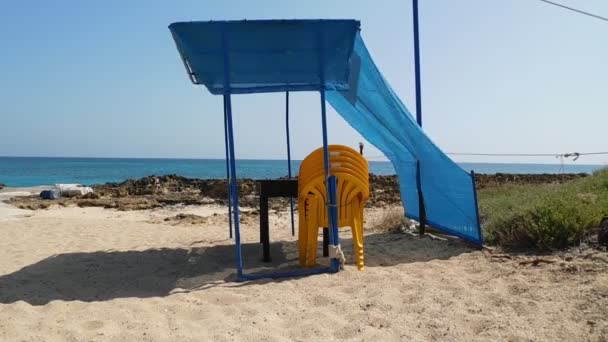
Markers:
<point>28,171</point>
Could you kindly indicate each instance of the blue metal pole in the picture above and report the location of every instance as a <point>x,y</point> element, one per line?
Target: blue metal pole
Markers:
<point>330,190</point>
<point>421,206</point>
<point>417,64</point>
<point>234,192</point>
<point>329,183</point>
<point>333,218</point>
<point>227,170</point>
<point>293,229</point>
<point>325,145</point>
<point>476,208</point>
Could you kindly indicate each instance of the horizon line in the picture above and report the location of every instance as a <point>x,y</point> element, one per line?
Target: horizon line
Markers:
<point>254,159</point>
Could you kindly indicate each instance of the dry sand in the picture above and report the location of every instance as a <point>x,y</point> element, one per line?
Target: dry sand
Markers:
<point>92,274</point>
<point>8,212</point>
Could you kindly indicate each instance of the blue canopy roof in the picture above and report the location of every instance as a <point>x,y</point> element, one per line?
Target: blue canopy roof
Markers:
<point>267,55</point>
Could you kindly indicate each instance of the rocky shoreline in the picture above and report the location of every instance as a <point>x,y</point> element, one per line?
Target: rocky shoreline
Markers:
<point>158,191</point>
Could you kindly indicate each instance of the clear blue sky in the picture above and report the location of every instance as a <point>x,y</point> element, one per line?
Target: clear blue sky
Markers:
<point>103,79</point>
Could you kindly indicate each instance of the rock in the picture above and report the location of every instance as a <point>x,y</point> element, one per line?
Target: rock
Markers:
<point>186,219</point>
<point>207,200</point>
<point>156,191</point>
<point>2,186</point>
<point>90,195</point>
<point>600,257</point>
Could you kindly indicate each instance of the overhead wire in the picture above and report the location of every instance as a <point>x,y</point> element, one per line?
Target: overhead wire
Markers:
<point>576,10</point>
<point>574,155</point>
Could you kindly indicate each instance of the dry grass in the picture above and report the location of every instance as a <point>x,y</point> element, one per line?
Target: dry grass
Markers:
<point>391,220</point>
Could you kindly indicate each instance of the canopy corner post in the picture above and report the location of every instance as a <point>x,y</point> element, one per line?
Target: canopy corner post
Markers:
<point>227,171</point>
<point>293,230</point>
<point>234,192</point>
<point>330,186</point>
<point>417,63</point>
<point>473,180</point>
<point>330,181</point>
<point>421,206</point>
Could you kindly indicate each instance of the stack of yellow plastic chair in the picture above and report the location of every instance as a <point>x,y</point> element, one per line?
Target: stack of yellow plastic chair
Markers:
<point>351,171</point>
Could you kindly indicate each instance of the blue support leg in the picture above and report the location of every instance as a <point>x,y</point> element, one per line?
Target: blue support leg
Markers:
<point>476,208</point>
<point>330,185</point>
<point>333,218</point>
<point>227,170</point>
<point>293,230</point>
<point>421,206</point>
<point>234,192</point>
<point>417,63</point>
<point>331,190</point>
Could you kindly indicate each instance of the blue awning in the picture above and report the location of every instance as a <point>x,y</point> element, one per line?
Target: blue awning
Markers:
<point>267,55</point>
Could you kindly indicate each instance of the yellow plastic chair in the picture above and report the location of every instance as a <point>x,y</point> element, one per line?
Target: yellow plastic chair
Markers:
<point>351,171</point>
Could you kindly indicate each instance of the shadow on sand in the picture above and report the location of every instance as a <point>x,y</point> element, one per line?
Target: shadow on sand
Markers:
<point>105,275</point>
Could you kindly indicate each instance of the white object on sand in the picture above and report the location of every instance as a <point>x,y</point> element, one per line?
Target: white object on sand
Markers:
<point>71,190</point>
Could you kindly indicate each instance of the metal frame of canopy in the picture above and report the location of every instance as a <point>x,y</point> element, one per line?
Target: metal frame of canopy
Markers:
<point>262,54</point>
<point>289,175</point>
<point>233,200</point>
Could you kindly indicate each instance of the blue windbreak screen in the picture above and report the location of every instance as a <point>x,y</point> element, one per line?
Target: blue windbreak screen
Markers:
<point>372,108</point>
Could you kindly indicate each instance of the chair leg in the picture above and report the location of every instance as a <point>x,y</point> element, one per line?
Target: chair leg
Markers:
<point>312,236</point>
<point>357,230</point>
<point>303,215</point>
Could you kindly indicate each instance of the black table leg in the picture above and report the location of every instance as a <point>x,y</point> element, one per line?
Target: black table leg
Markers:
<point>268,189</point>
<point>264,229</point>
<point>325,241</point>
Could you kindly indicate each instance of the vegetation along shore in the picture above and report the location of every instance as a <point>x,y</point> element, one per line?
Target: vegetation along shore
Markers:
<point>541,211</point>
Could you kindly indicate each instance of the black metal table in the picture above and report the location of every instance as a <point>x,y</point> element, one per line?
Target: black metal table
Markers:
<point>278,188</point>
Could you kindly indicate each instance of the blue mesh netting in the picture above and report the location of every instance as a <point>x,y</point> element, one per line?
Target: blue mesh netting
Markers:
<point>374,110</point>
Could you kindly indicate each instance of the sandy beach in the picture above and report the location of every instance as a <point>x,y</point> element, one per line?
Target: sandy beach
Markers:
<point>463,141</point>
<point>94,274</point>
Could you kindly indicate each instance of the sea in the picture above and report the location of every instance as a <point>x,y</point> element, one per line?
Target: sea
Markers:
<point>34,171</point>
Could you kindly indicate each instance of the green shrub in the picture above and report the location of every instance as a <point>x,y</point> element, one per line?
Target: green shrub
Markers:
<point>543,216</point>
